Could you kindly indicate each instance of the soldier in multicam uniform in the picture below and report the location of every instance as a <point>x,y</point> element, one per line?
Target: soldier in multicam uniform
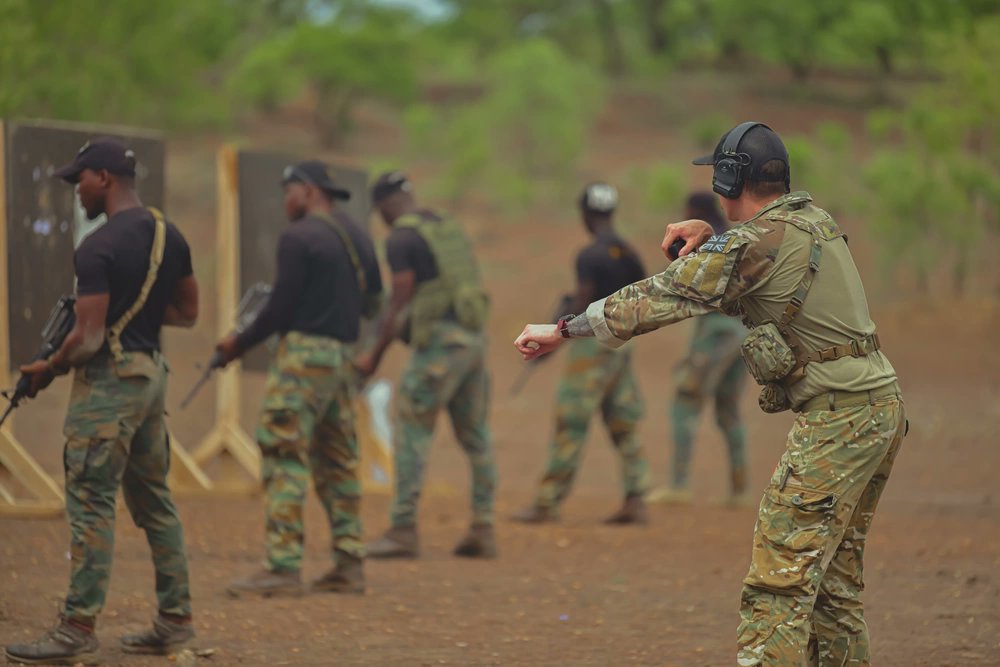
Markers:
<point>788,273</point>
<point>435,278</point>
<point>713,370</point>
<point>133,276</point>
<point>327,280</point>
<point>596,377</point>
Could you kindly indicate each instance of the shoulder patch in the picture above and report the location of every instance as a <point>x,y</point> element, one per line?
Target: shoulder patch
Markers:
<point>717,243</point>
<point>703,276</point>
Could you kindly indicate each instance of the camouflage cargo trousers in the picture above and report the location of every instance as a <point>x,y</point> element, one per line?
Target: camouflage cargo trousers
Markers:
<point>713,369</point>
<point>116,436</point>
<point>307,427</point>
<point>595,377</point>
<point>449,372</point>
<point>801,602</point>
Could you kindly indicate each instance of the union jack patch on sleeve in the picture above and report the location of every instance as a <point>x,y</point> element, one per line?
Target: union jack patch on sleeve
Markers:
<point>717,243</point>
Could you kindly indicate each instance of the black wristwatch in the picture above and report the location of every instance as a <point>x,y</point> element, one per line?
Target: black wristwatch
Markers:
<point>562,326</point>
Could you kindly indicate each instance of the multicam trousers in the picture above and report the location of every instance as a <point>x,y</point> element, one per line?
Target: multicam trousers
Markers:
<point>449,372</point>
<point>595,377</point>
<point>801,602</point>
<point>713,369</point>
<point>116,436</point>
<point>306,424</point>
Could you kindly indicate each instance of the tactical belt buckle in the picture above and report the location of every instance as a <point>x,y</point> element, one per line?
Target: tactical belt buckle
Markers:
<point>856,350</point>
<point>828,354</point>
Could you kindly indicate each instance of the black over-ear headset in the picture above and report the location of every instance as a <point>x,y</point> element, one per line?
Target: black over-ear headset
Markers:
<point>730,167</point>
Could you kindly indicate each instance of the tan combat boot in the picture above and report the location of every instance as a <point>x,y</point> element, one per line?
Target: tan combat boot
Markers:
<point>632,511</point>
<point>479,542</point>
<point>398,542</point>
<point>537,514</point>
<point>347,576</point>
<point>669,495</point>
<point>267,583</point>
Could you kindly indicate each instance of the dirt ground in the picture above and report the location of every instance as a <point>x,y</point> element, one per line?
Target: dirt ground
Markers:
<point>576,593</point>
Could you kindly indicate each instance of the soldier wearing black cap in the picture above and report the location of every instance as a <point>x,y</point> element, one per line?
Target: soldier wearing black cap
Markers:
<point>787,271</point>
<point>439,302</point>
<point>133,277</point>
<point>328,279</point>
<point>596,378</point>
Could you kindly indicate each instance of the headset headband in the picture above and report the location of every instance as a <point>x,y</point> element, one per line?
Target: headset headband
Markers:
<point>733,139</point>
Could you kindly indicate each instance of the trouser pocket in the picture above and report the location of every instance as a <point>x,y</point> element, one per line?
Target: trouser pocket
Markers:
<point>795,529</point>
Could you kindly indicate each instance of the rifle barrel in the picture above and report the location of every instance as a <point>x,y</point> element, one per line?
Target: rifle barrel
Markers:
<point>197,386</point>
<point>10,409</point>
<point>522,379</point>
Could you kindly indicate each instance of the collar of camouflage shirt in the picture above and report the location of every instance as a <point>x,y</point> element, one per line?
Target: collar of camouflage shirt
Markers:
<point>790,198</point>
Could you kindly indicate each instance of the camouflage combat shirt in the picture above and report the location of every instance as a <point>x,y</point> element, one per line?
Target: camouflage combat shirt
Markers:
<point>751,272</point>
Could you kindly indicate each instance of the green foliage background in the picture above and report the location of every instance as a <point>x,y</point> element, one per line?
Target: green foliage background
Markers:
<point>520,84</point>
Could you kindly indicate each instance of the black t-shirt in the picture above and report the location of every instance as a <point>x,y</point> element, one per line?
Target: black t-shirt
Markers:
<point>609,263</point>
<point>407,250</point>
<point>316,289</point>
<point>114,260</point>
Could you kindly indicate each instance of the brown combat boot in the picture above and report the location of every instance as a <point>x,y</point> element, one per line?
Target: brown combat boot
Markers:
<point>165,637</point>
<point>537,514</point>
<point>632,511</point>
<point>398,542</point>
<point>67,644</point>
<point>479,542</point>
<point>347,576</point>
<point>268,583</point>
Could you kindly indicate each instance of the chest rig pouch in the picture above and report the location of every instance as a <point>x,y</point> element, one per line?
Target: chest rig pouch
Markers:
<point>457,291</point>
<point>130,364</point>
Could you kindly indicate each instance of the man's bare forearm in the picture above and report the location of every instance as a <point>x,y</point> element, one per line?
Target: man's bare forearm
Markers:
<point>77,349</point>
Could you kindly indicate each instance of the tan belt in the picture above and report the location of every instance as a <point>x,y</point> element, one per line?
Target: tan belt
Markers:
<point>855,348</point>
<point>838,400</point>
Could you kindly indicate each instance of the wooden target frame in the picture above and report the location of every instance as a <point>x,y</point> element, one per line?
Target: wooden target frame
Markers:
<point>45,496</point>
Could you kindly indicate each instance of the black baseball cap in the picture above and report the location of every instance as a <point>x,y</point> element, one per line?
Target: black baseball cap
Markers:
<point>599,197</point>
<point>760,144</point>
<point>389,184</point>
<point>105,153</point>
<point>313,172</point>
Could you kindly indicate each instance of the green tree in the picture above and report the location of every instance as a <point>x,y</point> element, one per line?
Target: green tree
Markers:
<point>339,62</point>
<point>524,135</point>
<point>936,182</point>
<point>114,60</point>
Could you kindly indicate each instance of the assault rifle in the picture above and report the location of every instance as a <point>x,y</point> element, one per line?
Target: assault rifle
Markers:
<point>246,312</point>
<point>57,327</point>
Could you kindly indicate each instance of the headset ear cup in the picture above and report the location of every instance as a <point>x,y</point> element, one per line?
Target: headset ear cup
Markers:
<point>726,179</point>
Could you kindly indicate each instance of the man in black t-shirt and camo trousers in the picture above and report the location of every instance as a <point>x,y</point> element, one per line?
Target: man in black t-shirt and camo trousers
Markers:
<point>327,280</point>
<point>133,276</point>
<point>597,377</point>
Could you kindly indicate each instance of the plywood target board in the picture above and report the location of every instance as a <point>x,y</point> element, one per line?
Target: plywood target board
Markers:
<point>41,224</point>
<point>45,220</point>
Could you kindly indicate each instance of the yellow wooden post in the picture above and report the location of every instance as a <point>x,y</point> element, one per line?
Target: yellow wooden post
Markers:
<point>47,497</point>
<point>227,437</point>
